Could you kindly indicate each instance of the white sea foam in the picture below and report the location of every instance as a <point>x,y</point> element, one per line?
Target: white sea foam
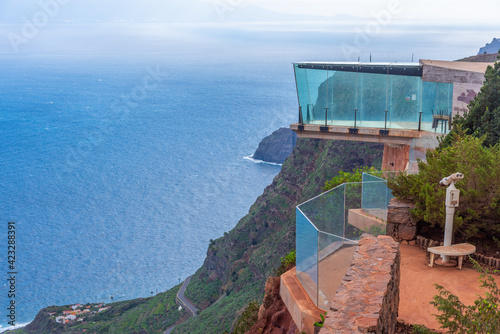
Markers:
<point>3,329</point>
<point>256,161</point>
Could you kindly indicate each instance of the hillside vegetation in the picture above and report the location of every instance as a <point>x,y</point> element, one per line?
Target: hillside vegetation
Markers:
<point>238,264</point>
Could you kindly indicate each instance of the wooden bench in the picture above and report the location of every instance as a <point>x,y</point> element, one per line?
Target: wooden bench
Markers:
<point>459,250</point>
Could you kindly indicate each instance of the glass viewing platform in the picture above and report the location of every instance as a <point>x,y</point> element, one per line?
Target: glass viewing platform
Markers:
<point>329,226</point>
<point>372,95</point>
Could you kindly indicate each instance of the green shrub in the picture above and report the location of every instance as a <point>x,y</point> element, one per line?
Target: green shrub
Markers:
<point>482,317</point>
<point>479,206</point>
<point>286,262</point>
<point>320,323</point>
<point>355,176</point>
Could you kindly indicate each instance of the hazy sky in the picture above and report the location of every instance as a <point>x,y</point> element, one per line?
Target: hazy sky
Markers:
<point>68,24</point>
<point>410,11</point>
<point>436,10</point>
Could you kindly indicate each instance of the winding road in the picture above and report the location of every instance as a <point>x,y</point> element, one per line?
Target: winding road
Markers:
<point>181,299</point>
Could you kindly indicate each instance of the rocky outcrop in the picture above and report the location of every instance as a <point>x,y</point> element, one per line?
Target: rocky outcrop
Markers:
<point>276,147</point>
<point>400,224</point>
<point>367,301</point>
<point>273,315</point>
<point>492,47</point>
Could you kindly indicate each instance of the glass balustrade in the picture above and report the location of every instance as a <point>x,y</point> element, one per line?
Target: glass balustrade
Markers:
<point>328,228</point>
<point>388,96</point>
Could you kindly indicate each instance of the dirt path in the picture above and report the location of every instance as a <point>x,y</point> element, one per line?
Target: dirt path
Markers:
<point>417,286</point>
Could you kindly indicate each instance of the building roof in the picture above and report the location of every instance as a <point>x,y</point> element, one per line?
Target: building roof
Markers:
<point>409,69</point>
<point>457,65</point>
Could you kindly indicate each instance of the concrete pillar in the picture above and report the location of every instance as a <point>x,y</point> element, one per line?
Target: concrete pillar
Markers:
<point>396,157</point>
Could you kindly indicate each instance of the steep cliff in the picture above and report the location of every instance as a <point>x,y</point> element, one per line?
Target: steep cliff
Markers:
<point>277,146</point>
<point>273,314</point>
<point>238,264</point>
<point>492,47</point>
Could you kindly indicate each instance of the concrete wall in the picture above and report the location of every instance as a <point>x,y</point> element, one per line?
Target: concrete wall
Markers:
<point>442,74</point>
<point>368,299</point>
<point>396,157</point>
<point>302,309</point>
<point>466,84</point>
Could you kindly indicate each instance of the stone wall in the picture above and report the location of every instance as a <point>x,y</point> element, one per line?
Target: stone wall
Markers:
<point>367,301</point>
<point>400,224</point>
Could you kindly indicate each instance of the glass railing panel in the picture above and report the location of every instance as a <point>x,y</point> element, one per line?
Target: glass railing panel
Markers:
<point>307,255</point>
<point>437,105</point>
<point>404,101</point>
<point>318,83</point>
<point>374,199</point>
<point>372,99</point>
<point>303,93</point>
<point>386,176</point>
<point>326,211</point>
<point>343,98</point>
<point>335,257</point>
<point>353,194</point>
<point>376,196</point>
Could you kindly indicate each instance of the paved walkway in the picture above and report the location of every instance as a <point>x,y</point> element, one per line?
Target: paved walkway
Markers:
<point>417,286</point>
<point>181,299</point>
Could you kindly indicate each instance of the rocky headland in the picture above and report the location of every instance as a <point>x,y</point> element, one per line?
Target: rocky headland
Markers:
<point>492,47</point>
<point>276,147</point>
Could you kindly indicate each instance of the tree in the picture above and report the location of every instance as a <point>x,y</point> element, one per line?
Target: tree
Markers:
<point>479,206</point>
<point>483,116</point>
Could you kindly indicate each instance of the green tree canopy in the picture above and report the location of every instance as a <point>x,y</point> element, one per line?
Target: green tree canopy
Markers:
<point>483,116</point>
<point>479,207</point>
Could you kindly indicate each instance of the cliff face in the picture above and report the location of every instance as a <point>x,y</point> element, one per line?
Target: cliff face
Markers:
<point>238,264</point>
<point>276,147</point>
<point>273,314</point>
<point>492,47</point>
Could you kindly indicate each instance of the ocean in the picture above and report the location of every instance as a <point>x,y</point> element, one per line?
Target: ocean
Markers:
<point>119,165</point>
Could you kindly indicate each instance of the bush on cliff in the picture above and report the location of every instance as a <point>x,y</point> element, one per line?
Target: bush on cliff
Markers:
<point>287,263</point>
<point>248,318</point>
<point>479,207</point>
<point>355,176</point>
